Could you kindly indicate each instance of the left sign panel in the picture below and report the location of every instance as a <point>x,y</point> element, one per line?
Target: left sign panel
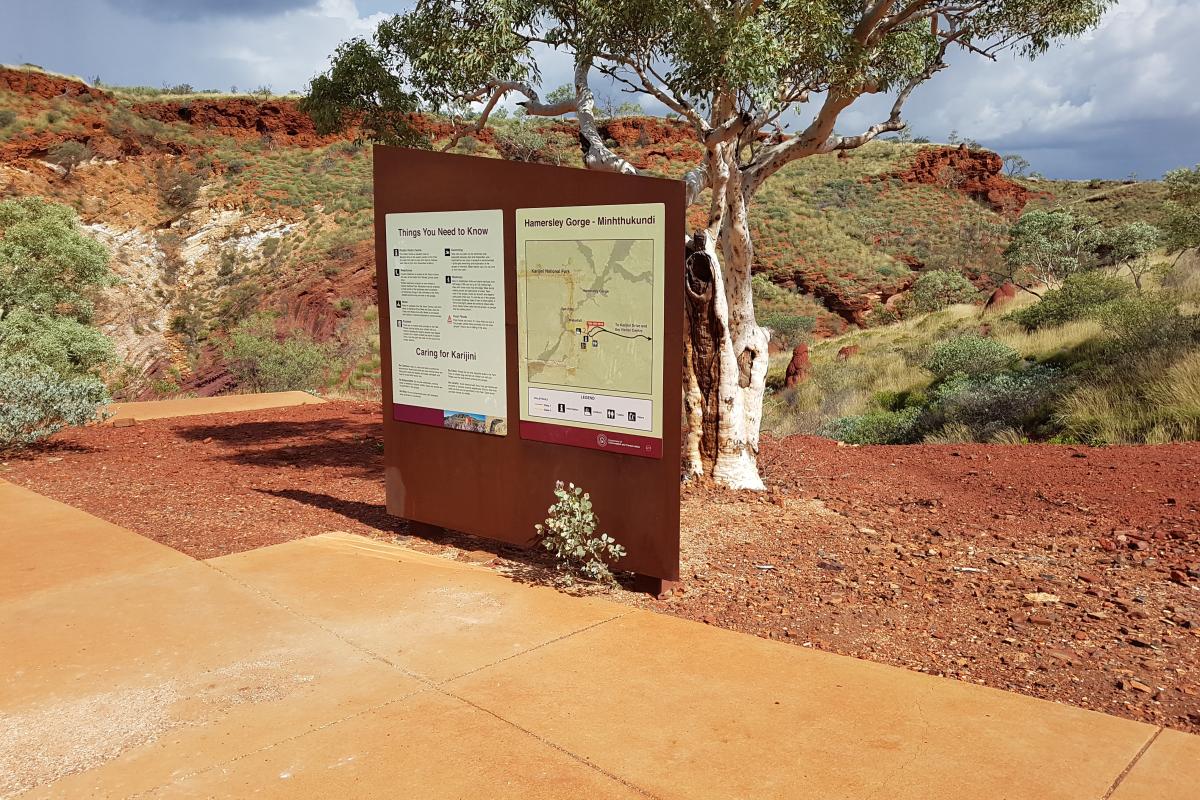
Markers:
<point>446,304</point>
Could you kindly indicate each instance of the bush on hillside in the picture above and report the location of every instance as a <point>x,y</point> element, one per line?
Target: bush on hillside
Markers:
<point>876,427</point>
<point>971,355</point>
<point>1182,209</point>
<point>521,142</point>
<point>262,362</point>
<point>50,356</point>
<point>62,344</point>
<point>940,288</point>
<point>1082,295</point>
<point>7,117</point>
<point>788,329</point>
<point>990,404</point>
<point>69,155</point>
<point>1142,324</point>
<point>178,188</point>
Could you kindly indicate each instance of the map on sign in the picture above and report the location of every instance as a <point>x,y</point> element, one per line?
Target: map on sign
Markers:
<point>590,317</point>
<point>593,327</point>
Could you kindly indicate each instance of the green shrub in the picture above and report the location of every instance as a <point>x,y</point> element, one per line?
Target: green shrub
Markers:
<point>570,535</point>
<point>876,427</point>
<point>940,288</point>
<point>50,357</point>
<point>7,117</point>
<point>62,344</point>
<point>898,401</point>
<point>262,362</point>
<point>789,329</point>
<point>1082,295</point>
<point>971,355</point>
<point>1143,323</point>
<point>37,401</point>
<point>990,404</point>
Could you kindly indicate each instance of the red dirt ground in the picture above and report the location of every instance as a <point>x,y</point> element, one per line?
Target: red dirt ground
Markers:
<point>927,557</point>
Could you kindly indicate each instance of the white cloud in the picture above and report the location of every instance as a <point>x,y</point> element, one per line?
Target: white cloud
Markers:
<point>1121,98</point>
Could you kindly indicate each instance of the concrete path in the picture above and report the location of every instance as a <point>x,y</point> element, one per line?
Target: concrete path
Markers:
<point>192,406</point>
<point>340,667</point>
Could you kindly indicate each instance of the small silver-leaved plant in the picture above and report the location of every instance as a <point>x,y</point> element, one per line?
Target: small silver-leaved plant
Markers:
<point>570,535</point>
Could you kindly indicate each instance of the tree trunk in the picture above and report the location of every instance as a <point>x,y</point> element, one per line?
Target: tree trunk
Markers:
<point>725,352</point>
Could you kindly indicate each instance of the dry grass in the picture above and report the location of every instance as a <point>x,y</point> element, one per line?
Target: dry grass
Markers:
<point>1052,344</point>
<point>887,362</point>
<point>1158,402</point>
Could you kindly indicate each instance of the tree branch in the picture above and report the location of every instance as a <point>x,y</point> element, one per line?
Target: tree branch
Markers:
<point>596,154</point>
<point>893,122</point>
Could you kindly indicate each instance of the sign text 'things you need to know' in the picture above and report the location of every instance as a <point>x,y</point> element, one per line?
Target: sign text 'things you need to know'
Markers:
<point>445,274</point>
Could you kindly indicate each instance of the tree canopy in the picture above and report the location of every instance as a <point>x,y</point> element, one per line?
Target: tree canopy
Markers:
<point>731,68</point>
<point>738,73</point>
<point>46,266</point>
<point>1182,226</point>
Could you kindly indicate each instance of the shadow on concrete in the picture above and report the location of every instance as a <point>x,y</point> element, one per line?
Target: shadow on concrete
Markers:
<point>529,565</point>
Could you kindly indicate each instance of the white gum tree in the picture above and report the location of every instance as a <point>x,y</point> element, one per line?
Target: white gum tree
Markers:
<point>739,73</point>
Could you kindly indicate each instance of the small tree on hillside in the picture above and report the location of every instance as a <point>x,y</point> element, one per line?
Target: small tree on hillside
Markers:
<point>69,155</point>
<point>1016,165</point>
<point>940,288</point>
<point>1182,225</point>
<point>1129,246</point>
<point>1047,246</point>
<point>734,72</point>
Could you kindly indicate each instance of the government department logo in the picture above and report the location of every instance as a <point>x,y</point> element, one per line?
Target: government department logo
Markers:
<point>602,440</point>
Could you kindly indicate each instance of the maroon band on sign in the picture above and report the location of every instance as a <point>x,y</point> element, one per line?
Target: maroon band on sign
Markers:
<point>626,444</point>
<point>418,414</point>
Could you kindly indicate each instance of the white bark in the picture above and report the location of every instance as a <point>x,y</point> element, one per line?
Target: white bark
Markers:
<point>724,370</point>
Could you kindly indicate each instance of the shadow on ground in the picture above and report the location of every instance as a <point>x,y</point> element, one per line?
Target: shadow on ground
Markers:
<point>356,447</point>
<point>45,449</point>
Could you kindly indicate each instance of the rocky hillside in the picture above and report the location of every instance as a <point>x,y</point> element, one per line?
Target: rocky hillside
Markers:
<point>215,207</point>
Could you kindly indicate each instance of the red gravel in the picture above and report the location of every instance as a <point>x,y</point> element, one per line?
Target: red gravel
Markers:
<point>919,556</point>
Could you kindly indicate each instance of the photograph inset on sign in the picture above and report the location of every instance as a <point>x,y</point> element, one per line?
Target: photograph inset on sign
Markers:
<point>589,313</point>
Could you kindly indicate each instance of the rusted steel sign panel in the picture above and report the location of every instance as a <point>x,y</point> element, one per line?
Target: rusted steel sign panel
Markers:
<point>531,327</point>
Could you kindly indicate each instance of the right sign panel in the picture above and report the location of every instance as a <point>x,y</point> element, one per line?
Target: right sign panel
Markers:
<point>590,305</point>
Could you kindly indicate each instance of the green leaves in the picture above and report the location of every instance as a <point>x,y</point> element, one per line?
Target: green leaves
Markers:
<point>36,401</point>
<point>453,49</point>
<point>364,86</point>
<point>1053,244</point>
<point>46,265</point>
<point>1182,225</point>
<point>263,362</point>
<point>569,535</point>
<point>50,358</point>
<point>722,58</point>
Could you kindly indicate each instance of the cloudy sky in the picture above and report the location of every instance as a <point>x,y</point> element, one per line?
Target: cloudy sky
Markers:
<point>1124,99</point>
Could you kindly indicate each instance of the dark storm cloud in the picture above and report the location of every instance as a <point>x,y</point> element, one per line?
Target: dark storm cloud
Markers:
<point>175,10</point>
